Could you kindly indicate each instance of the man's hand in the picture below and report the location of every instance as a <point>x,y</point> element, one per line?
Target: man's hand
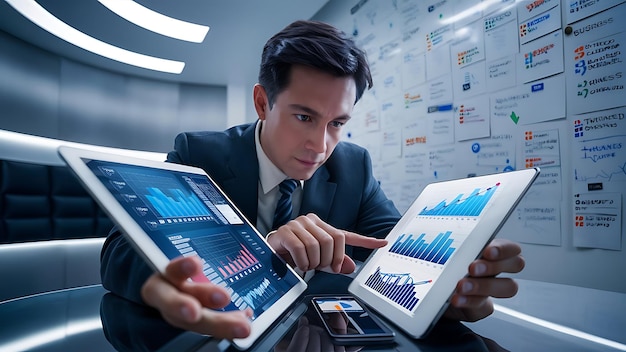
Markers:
<point>471,299</point>
<point>189,305</point>
<point>309,243</point>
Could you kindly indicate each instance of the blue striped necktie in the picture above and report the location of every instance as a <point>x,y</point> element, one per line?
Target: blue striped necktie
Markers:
<point>284,209</point>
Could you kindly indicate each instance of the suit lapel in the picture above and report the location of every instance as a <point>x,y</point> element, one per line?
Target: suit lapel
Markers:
<point>243,164</point>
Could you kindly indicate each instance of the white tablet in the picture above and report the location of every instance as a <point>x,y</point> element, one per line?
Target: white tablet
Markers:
<point>410,280</point>
<point>168,210</point>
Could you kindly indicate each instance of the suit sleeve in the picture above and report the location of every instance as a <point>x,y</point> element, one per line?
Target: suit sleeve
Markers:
<point>181,150</point>
<point>122,270</point>
<point>377,213</point>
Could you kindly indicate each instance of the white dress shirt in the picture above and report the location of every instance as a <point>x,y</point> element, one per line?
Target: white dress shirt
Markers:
<point>268,193</point>
<point>269,179</point>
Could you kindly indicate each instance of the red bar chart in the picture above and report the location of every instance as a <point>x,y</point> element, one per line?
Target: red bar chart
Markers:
<point>232,266</point>
<point>230,258</point>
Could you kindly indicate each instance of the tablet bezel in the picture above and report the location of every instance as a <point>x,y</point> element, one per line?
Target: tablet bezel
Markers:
<point>434,303</point>
<point>76,159</point>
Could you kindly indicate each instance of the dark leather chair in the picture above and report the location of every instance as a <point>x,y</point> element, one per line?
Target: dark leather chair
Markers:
<point>51,230</point>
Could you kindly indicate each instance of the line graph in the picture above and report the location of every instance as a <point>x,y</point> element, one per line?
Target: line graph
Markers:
<point>600,159</point>
<point>581,174</point>
<point>259,293</point>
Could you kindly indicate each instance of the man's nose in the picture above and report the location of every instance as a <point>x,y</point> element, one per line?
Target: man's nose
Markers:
<point>317,140</point>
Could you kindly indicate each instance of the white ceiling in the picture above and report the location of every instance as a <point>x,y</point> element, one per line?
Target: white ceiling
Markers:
<point>229,54</point>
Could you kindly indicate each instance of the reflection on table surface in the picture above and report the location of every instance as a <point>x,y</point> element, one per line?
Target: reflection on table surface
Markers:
<point>91,319</point>
<point>125,323</point>
<point>65,320</point>
<point>131,327</point>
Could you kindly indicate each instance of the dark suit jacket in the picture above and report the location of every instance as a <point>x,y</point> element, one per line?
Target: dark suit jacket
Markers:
<point>343,192</point>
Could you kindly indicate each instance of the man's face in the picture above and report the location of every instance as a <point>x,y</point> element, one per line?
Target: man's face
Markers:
<point>304,126</point>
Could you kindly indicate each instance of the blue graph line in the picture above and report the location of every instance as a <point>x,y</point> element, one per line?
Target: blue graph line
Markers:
<point>602,175</point>
<point>263,290</point>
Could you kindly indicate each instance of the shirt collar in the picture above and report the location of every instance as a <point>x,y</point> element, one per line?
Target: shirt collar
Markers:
<point>269,175</point>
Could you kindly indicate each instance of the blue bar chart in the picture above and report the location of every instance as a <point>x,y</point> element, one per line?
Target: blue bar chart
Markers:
<point>438,251</point>
<point>175,203</point>
<point>400,288</point>
<point>165,195</point>
<point>471,205</point>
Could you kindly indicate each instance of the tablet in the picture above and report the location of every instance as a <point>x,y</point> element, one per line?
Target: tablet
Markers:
<point>168,210</point>
<point>410,280</point>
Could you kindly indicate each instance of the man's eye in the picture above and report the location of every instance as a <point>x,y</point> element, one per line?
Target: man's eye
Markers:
<point>303,117</point>
<point>337,124</point>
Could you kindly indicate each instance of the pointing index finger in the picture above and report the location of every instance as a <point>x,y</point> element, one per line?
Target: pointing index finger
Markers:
<point>354,239</point>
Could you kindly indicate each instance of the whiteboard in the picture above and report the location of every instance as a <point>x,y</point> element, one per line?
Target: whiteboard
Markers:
<point>467,88</point>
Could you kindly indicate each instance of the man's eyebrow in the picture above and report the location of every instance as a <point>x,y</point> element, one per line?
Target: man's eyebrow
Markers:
<point>307,110</point>
<point>304,109</point>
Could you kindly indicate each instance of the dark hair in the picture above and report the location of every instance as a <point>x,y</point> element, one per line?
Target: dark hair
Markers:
<point>314,44</point>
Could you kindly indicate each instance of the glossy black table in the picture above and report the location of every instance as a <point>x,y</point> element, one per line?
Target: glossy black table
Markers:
<point>66,320</point>
<point>91,319</point>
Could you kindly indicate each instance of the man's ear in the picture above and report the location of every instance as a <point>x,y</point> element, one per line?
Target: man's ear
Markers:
<point>260,101</point>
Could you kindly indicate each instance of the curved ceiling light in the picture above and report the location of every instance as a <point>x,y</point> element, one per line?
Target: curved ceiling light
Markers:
<point>44,19</point>
<point>156,22</point>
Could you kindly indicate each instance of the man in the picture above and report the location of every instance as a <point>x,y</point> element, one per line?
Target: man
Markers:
<point>311,76</point>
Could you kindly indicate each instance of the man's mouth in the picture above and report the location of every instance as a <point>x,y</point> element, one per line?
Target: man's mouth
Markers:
<point>308,162</point>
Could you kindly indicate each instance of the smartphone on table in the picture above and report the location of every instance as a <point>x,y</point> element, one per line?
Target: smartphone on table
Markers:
<point>348,321</point>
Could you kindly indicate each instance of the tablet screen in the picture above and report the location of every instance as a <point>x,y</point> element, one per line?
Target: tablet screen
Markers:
<point>418,254</point>
<point>185,214</point>
<point>431,247</point>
